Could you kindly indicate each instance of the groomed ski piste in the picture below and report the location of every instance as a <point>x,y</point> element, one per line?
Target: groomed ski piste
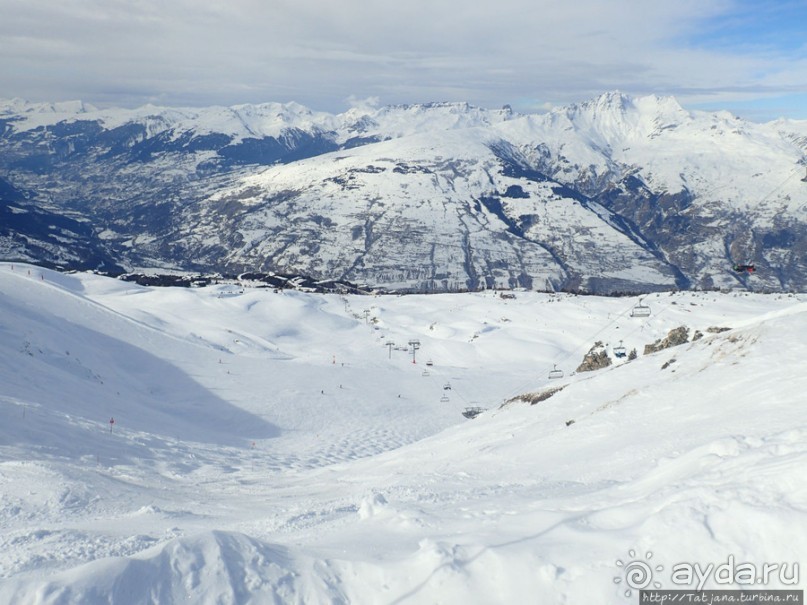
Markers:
<point>282,447</point>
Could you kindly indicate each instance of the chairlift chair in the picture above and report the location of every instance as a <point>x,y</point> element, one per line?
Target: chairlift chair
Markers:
<point>430,363</point>
<point>425,373</point>
<point>640,310</point>
<point>447,386</point>
<point>444,399</point>
<point>556,373</point>
<point>620,351</point>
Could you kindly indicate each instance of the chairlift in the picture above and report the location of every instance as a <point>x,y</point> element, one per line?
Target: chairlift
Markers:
<point>640,310</point>
<point>444,399</point>
<point>555,373</point>
<point>804,180</point>
<point>425,373</point>
<point>430,363</point>
<point>447,386</point>
<point>620,351</point>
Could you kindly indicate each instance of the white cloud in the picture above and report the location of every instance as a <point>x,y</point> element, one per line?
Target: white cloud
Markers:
<point>366,103</point>
<point>321,52</point>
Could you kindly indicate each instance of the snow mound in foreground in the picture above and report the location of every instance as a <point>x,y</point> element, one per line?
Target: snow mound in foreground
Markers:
<point>214,567</point>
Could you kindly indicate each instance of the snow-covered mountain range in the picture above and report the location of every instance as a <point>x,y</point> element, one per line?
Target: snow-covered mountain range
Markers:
<point>617,194</point>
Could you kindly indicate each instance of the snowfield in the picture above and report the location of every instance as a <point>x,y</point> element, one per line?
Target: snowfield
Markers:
<point>282,447</point>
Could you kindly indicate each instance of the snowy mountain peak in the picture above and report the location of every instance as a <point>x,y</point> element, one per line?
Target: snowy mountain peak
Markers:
<point>666,107</point>
<point>616,102</point>
<point>614,117</point>
<point>18,105</point>
<point>397,121</point>
<point>610,101</point>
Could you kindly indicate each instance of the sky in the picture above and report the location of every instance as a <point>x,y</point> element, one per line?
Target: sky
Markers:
<point>745,56</point>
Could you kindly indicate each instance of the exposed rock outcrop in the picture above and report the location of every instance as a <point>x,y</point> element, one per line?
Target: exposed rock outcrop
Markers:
<point>533,398</point>
<point>596,359</point>
<point>676,336</point>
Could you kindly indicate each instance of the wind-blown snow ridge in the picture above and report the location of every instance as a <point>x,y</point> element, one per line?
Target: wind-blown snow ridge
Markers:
<point>355,479</point>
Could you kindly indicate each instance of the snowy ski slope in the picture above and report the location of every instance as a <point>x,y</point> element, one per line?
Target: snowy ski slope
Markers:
<point>272,447</point>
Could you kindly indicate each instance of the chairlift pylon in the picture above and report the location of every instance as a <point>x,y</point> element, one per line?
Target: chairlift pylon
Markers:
<point>555,373</point>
